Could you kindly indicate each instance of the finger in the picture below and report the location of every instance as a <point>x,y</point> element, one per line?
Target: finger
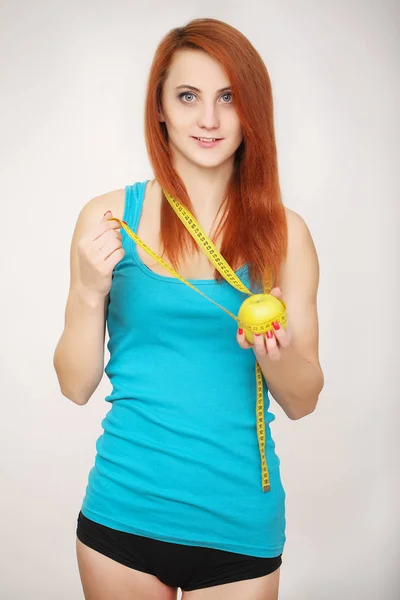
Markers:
<point>109,235</point>
<point>105,225</point>
<point>114,233</point>
<point>283,336</point>
<point>109,218</point>
<point>276,291</point>
<point>109,247</point>
<point>260,348</point>
<point>272,346</point>
<point>241,339</point>
<point>111,221</point>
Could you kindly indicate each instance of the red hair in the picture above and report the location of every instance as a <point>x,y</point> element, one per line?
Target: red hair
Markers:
<point>253,220</point>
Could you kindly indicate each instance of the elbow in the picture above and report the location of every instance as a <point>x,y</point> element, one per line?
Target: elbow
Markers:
<point>298,416</point>
<point>79,396</point>
<point>76,396</point>
<point>304,408</point>
<point>304,412</point>
<point>309,406</point>
<point>80,400</point>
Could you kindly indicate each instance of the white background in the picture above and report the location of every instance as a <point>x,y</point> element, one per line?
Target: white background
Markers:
<point>73,78</point>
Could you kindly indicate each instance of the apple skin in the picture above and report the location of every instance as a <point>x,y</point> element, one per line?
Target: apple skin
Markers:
<point>259,309</point>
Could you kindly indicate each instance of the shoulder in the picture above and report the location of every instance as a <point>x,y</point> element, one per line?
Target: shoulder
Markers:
<point>98,205</point>
<point>93,211</point>
<point>299,280</point>
<point>299,235</point>
<point>301,262</point>
<point>295,222</point>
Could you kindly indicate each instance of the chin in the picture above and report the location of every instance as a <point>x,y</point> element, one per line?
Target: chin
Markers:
<point>209,164</point>
<point>210,158</point>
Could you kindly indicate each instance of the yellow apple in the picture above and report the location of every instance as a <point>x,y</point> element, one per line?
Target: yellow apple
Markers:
<point>257,313</point>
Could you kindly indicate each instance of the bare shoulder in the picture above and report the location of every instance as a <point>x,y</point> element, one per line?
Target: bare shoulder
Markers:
<point>114,201</point>
<point>299,280</point>
<point>300,270</point>
<point>299,234</point>
<point>89,217</point>
<point>294,219</point>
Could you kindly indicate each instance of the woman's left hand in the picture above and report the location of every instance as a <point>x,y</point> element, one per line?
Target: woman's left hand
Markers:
<point>264,345</point>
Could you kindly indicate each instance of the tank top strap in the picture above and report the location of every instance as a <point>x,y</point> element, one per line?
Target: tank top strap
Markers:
<point>134,196</point>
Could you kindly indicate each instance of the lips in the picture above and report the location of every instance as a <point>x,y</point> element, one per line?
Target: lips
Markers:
<point>211,144</point>
<point>205,138</point>
<point>202,144</point>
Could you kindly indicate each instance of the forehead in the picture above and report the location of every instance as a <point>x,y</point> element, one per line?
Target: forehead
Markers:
<point>197,68</point>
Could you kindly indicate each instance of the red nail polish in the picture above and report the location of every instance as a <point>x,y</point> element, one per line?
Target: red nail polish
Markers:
<point>125,222</point>
<point>269,334</point>
<point>240,331</point>
<point>107,211</point>
<point>276,325</point>
<point>257,334</point>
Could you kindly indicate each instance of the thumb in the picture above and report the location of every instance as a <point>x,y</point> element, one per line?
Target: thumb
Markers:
<point>108,216</point>
<point>276,291</point>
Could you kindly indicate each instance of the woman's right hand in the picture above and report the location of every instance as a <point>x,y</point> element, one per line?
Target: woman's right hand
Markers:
<point>98,253</point>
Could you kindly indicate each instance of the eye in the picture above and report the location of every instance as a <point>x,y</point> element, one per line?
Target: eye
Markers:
<point>226,94</point>
<point>229,94</point>
<point>186,94</point>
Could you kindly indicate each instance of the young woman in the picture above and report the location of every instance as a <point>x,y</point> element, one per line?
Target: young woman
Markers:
<point>174,498</point>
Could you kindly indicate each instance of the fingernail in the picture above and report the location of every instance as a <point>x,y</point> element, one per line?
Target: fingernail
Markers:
<point>269,334</point>
<point>276,325</point>
<point>125,222</point>
<point>106,213</point>
<point>257,334</point>
<point>240,330</point>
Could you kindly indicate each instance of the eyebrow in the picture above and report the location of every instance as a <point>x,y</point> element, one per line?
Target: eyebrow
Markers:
<point>197,89</point>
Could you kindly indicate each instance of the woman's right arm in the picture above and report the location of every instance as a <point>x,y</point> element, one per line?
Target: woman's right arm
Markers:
<point>96,248</point>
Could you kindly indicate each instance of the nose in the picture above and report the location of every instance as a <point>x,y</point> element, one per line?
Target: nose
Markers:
<point>208,116</point>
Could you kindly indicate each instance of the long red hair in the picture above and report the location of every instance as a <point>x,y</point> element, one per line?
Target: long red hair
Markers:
<point>253,223</point>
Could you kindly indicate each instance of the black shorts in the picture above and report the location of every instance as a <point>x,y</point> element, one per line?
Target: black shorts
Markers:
<point>177,565</point>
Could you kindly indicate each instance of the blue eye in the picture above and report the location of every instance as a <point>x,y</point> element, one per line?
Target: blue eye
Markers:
<point>226,94</point>
<point>186,94</point>
<point>192,94</point>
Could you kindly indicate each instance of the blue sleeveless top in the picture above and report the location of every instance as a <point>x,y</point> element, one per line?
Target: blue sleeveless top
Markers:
<point>178,460</point>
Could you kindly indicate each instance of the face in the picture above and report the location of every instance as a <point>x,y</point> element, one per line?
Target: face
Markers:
<point>208,112</point>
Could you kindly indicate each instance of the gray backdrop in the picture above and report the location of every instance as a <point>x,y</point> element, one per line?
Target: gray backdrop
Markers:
<point>73,78</point>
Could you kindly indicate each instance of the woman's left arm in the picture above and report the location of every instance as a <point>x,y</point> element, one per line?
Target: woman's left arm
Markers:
<point>289,359</point>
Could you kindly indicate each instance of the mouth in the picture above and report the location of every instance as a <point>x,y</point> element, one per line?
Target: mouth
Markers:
<point>206,139</point>
<point>206,142</point>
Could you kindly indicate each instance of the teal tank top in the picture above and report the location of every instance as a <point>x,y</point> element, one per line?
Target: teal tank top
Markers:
<point>178,459</point>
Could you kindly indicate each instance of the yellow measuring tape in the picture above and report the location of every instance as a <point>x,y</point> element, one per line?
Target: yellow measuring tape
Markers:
<point>207,246</point>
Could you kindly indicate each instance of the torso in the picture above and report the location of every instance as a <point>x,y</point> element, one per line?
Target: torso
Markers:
<point>196,266</point>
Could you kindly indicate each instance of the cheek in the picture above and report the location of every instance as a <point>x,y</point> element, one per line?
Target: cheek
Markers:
<point>237,133</point>
<point>234,124</point>
<point>178,119</point>
<point>238,126</point>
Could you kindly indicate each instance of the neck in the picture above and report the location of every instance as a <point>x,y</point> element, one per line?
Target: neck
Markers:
<point>206,187</point>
